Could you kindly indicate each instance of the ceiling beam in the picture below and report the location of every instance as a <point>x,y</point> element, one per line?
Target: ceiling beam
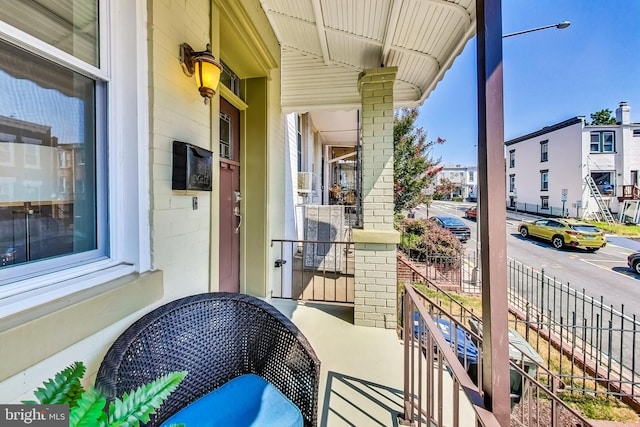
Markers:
<point>344,156</point>
<point>389,34</point>
<point>417,53</point>
<point>322,37</point>
<point>460,10</point>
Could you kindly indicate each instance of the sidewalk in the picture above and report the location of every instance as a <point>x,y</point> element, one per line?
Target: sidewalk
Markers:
<point>623,242</point>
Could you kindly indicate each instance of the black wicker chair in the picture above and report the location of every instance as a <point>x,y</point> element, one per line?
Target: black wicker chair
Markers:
<point>216,337</point>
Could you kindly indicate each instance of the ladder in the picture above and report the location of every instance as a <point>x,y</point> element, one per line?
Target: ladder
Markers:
<point>604,211</point>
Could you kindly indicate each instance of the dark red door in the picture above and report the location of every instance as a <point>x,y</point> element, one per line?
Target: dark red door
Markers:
<point>230,198</point>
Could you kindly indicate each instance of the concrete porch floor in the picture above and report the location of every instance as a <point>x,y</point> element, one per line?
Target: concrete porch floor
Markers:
<point>361,367</point>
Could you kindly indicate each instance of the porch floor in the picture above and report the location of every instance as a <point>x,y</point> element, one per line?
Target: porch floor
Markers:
<point>362,367</point>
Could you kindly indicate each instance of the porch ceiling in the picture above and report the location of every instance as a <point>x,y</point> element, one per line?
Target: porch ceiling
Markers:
<point>325,44</point>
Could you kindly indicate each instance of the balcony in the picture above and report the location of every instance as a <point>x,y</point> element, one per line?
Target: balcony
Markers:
<point>370,376</point>
<point>362,371</point>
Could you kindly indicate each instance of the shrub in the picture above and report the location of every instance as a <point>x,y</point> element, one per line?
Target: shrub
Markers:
<point>440,245</point>
<point>426,241</point>
<point>414,226</point>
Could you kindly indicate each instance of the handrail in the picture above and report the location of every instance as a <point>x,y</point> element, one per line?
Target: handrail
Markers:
<point>435,340</point>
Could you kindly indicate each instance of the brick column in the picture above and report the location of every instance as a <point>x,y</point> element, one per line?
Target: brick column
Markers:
<point>375,243</point>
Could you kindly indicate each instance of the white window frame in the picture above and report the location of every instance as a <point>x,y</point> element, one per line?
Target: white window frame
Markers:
<point>544,202</point>
<point>126,165</point>
<point>544,151</point>
<point>512,158</point>
<point>8,149</point>
<point>601,141</point>
<point>31,151</point>
<point>544,180</point>
<point>512,183</point>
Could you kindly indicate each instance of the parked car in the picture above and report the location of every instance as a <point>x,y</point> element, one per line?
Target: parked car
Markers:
<point>471,213</point>
<point>454,225</point>
<point>565,232</point>
<point>633,260</point>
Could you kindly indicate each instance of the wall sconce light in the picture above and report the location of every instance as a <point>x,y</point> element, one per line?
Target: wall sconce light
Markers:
<point>205,67</point>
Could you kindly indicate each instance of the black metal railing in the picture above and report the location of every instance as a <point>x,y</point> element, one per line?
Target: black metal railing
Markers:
<point>438,345</point>
<point>547,211</point>
<point>602,341</point>
<point>314,270</point>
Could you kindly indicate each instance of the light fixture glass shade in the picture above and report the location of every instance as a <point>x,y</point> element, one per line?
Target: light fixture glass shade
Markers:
<point>204,65</point>
<point>207,76</point>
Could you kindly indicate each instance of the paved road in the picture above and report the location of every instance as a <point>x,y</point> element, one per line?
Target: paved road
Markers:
<point>604,273</point>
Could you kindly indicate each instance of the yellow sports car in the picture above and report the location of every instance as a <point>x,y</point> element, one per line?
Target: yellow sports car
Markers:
<point>565,232</point>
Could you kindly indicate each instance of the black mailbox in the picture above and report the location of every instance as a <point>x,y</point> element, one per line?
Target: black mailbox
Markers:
<point>192,167</point>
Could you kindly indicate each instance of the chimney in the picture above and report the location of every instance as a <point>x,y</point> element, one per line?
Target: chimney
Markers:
<point>623,114</point>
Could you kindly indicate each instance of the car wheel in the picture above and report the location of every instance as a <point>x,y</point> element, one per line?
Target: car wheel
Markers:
<point>557,242</point>
<point>636,267</point>
<point>524,231</point>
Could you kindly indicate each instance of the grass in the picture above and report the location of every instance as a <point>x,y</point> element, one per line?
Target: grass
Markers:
<point>600,407</point>
<point>632,230</point>
<point>595,406</point>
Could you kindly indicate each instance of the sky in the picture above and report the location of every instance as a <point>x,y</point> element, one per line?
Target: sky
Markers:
<point>548,75</point>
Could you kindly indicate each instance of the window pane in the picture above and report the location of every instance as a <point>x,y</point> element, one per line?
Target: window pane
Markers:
<point>69,25</point>
<point>595,142</point>
<point>225,136</point>
<point>544,180</point>
<point>48,155</point>
<point>607,142</point>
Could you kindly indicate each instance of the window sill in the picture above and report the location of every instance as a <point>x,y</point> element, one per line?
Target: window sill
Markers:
<point>33,329</point>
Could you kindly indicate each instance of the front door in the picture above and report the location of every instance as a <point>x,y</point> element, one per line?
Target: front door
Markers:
<point>230,198</point>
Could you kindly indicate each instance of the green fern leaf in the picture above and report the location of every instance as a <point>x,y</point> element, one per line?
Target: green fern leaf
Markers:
<point>64,388</point>
<point>89,410</point>
<point>137,406</point>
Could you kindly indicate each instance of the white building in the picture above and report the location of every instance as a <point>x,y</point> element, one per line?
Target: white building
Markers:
<point>465,177</point>
<point>548,169</point>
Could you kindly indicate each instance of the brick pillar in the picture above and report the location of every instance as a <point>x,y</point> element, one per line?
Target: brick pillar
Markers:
<point>376,242</point>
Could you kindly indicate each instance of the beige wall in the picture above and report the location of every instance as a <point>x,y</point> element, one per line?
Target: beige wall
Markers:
<point>183,241</point>
<point>180,237</point>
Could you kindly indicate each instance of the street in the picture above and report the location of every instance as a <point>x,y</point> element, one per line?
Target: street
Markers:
<point>603,273</point>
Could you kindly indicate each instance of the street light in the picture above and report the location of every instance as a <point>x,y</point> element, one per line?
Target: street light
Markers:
<point>561,25</point>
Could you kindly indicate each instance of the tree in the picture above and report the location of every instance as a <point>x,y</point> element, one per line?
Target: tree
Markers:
<point>412,161</point>
<point>603,117</point>
<point>446,187</point>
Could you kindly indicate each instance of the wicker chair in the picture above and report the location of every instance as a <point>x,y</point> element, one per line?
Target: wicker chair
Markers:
<point>216,337</point>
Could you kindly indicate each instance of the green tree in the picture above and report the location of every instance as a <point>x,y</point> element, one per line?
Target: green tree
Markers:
<point>603,117</point>
<point>412,163</point>
<point>446,187</point>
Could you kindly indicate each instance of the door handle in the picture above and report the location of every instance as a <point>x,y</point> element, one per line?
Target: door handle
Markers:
<point>236,212</point>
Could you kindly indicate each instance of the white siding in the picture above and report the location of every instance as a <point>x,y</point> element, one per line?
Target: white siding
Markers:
<point>563,164</point>
<point>570,160</point>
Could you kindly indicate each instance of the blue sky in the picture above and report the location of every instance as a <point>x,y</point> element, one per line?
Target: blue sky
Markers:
<point>549,75</point>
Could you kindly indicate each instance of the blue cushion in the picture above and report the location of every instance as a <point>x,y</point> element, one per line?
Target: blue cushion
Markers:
<point>245,401</point>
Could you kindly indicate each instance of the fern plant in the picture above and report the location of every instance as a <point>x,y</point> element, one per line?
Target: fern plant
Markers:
<point>87,407</point>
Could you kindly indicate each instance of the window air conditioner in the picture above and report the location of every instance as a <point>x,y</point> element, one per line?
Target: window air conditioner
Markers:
<point>306,183</point>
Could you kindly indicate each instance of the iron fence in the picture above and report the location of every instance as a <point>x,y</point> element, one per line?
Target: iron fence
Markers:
<point>458,273</point>
<point>602,341</point>
<point>443,363</point>
<point>540,210</point>
<point>314,270</point>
